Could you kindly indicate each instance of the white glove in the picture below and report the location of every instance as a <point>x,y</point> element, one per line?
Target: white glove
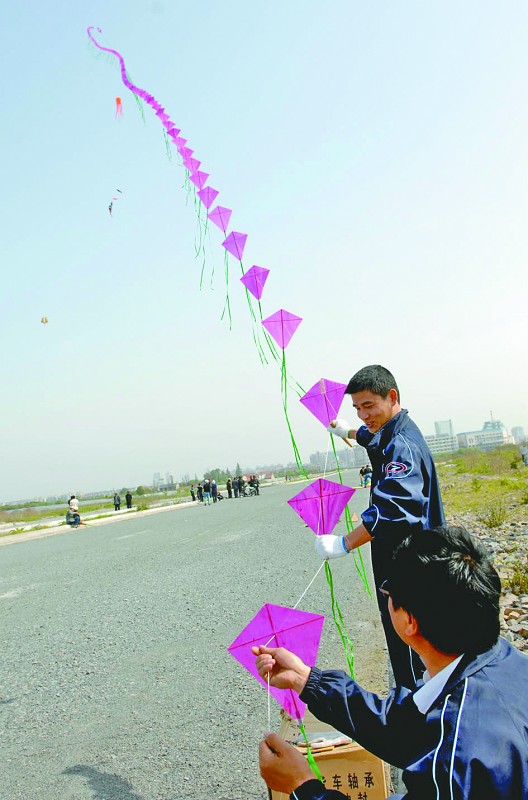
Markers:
<point>339,427</point>
<point>328,546</point>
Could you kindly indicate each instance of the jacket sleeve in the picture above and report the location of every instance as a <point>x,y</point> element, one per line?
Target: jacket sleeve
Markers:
<point>391,728</point>
<point>399,496</point>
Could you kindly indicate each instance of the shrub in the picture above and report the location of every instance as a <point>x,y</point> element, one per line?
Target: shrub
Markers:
<point>518,580</point>
<point>493,516</point>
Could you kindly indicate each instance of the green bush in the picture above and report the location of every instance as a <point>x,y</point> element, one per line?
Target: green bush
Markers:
<point>518,580</point>
<point>493,516</point>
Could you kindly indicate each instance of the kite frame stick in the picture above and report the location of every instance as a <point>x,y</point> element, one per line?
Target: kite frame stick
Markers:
<point>333,425</point>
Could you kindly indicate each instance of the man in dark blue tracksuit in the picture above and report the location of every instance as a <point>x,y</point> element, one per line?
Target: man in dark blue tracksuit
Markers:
<point>463,735</point>
<point>404,495</point>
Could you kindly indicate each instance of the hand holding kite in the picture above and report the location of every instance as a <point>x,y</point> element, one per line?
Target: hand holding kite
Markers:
<point>330,547</point>
<point>285,669</point>
<point>340,427</point>
<point>282,766</point>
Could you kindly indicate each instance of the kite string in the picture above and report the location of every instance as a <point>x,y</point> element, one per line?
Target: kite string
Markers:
<point>301,597</point>
<point>269,703</point>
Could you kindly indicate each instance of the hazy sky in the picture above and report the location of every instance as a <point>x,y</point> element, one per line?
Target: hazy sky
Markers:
<point>376,155</point>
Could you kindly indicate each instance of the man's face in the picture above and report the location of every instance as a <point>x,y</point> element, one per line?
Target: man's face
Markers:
<point>375,410</point>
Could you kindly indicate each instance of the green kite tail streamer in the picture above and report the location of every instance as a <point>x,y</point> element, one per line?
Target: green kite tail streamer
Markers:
<point>227,303</point>
<point>284,392</point>
<point>356,553</point>
<point>138,101</point>
<point>309,757</point>
<point>167,145</point>
<point>339,622</point>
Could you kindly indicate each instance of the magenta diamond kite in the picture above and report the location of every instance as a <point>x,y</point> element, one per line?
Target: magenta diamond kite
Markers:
<point>199,179</point>
<point>235,244</point>
<point>321,504</point>
<point>324,400</point>
<point>192,164</point>
<point>282,325</point>
<point>207,195</point>
<point>220,216</point>
<point>277,626</point>
<point>254,281</point>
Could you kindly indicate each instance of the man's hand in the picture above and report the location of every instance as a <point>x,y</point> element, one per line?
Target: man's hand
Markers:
<point>282,766</point>
<point>329,546</point>
<point>285,669</point>
<point>339,427</point>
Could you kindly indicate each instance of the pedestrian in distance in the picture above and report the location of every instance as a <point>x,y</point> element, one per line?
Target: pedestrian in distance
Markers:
<point>73,518</point>
<point>207,492</point>
<point>404,496</point>
<point>199,492</point>
<point>117,502</point>
<point>235,487</point>
<point>229,487</point>
<point>463,735</point>
<point>214,491</point>
<point>128,498</point>
<point>192,492</point>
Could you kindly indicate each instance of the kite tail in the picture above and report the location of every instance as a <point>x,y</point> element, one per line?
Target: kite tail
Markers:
<point>198,235</point>
<point>309,757</point>
<point>294,385</point>
<point>227,303</point>
<point>254,326</point>
<point>358,556</point>
<point>140,107</point>
<point>339,622</point>
<point>138,101</point>
<point>168,150</point>
<point>284,392</point>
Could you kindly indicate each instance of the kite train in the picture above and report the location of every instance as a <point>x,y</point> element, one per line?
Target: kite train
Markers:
<point>320,504</point>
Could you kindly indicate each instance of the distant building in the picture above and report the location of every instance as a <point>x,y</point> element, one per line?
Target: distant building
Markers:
<point>349,458</point>
<point>444,428</point>
<point>493,434</point>
<point>444,440</point>
<point>442,444</point>
<point>518,434</point>
<point>156,480</point>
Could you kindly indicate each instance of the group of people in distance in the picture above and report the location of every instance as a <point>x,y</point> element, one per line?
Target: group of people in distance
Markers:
<point>365,476</point>
<point>208,491</point>
<point>238,486</point>
<point>456,721</point>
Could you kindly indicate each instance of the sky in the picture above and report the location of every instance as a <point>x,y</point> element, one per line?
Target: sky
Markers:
<point>376,154</point>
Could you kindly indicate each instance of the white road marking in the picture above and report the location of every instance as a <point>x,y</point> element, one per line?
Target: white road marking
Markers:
<point>129,535</point>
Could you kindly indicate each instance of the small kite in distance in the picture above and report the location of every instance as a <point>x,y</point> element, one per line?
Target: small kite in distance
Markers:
<point>119,107</point>
<point>110,207</point>
<point>44,320</point>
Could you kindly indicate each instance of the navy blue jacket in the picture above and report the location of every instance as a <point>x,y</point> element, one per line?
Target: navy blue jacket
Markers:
<point>405,494</point>
<point>472,743</point>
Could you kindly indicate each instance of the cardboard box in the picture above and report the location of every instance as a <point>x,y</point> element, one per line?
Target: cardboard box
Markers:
<point>347,767</point>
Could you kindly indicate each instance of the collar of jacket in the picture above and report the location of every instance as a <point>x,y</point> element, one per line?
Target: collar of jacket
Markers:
<point>467,667</point>
<point>381,438</point>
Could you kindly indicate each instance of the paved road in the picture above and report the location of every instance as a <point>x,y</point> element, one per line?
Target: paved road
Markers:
<point>116,684</point>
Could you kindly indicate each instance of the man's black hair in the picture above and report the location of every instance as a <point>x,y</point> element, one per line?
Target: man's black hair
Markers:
<point>375,379</point>
<point>447,582</point>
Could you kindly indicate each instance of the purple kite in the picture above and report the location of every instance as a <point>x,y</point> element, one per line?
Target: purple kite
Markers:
<point>199,179</point>
<point>277,626</point>
<point>282,325</point>
<point>324,400</point>
<point>207,195</point>
<point>220,216</point>
<point>321,504</point>
<point>235,244</point>
<point>254,281</point>
<point>191,164</point>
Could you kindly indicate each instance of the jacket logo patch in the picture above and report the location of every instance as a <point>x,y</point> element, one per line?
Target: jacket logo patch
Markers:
<point>395,468</point>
